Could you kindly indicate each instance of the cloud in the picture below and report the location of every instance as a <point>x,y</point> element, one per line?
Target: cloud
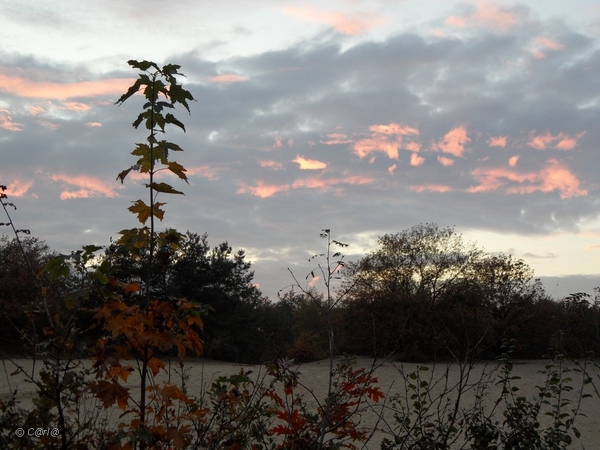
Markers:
<point>453,142</point>
<point>275,165</point>
<point>18,188</point>
<point>492,179</point>
<point>262,189</point>
<point>445,161</point>
<point>90,186</point>
<point>561,141</point>
<point>547,43</point>
<point>430,187</point>
<point>367,146</point>
<point>36,110</point>
<point>536,256</point>
<point>392,168</point>
<point>93,124</point>
<point>344,23</point>
<point>416,160</point>
<point>486,14</point>
<point>227,79</point>
<point>512,162</point>
<point>24,88</point>
<point>336,139</point>
<point>204,171</point>
<point>554,177</point>
<point>309,164</point>
<point>384,138</point>
<point>76,106</point>
<point>7,123</point>
<point>498,141</point>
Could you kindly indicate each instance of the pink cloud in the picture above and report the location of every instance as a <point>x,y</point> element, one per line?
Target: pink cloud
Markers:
<point>76,106</point>
<point>593,247</point>
<point>93,124</point>
<point>547,43</point>
<point>47,90</point>
<point>416,160</point>
<point>7,123</point>
<point>498,141</point>
<point>227,79</point>
<point>18,188</point>
<point>278,142</point>
<point>492,179</point>
<point>36,109</point>
<point>327,183</point>
<point>562,140</point>
<point>89,186</point>
<point>430,187</point>
<point>207,172</point>
<point>453,142</point>
<point>554,177</point>
<point>336,139</point>
<point>47,124</point>
<point>386,139</point>
<point>377,144</point>
<point>391,169</point>
<point>263,190</point>
<point>512,162</point>
<point>487,14</point>
<point>349,24</point>
<point>309,164</point>
<point>413,146</point>
<point>275,165</point>
<point>445,161</point>
<point>394,129</point>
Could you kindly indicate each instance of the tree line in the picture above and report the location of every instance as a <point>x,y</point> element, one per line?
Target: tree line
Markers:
<point>422,294</point>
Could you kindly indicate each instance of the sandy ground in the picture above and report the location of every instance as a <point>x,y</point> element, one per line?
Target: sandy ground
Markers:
<point>314,377</point>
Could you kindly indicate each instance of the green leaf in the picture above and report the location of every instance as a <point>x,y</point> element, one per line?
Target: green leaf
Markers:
<point>164,188</point>
<point>57,267</point>
<point>91,248</point>
<point>124,174</point>
<point>179,95</point>
<point>170,118</point>
<point>132,90</point>
<point>142,65</point>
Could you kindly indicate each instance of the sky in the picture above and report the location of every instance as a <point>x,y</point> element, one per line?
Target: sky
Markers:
<point>363,117</point>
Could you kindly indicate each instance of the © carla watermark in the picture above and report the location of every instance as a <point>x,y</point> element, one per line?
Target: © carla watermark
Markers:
<point>37,432</point>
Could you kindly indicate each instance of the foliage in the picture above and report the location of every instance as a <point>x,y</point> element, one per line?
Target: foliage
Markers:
<point>156,296</point>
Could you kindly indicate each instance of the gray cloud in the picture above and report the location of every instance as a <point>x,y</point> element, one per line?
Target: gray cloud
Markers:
<point>295,101</point>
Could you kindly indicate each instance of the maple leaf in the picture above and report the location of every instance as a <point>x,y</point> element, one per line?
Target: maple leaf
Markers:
<point>118,371</point>
<point>374,394</point>
<point>155,365</point>
<point>111,393</point>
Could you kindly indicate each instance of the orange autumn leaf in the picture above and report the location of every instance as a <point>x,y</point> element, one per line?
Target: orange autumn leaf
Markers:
<point>132,287</point>
<point>111,393</point>
<point>120,372</point>
<point>155,365</point>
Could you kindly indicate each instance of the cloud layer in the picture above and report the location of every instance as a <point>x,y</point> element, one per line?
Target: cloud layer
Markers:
<point>484,118</point>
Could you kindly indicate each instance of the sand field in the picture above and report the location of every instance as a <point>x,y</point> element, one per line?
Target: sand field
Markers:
<point>314,375</point>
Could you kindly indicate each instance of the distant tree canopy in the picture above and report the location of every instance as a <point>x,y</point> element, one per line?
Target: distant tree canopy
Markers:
<point>20,301</point>
<point>214,277</point>
<point>422,294</point>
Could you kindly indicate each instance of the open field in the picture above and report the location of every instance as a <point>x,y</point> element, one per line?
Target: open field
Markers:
<point>314,379</point>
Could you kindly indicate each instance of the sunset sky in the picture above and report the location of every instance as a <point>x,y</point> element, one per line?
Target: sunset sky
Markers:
<point>365,117</point>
